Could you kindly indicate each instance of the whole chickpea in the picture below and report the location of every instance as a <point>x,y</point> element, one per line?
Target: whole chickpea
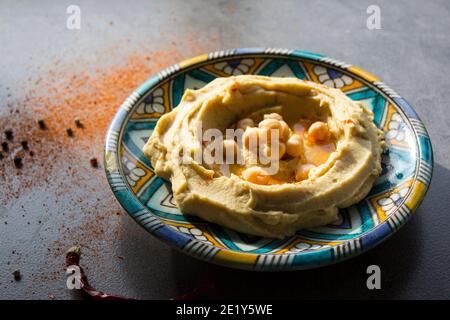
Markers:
<point>294,146</point>
<point>265,129</point>
<point>281,150</point>
<point>274,115</point>
<point>270,124</point>
<point>319,131</point>
<point>244,123</point>
<point>302,171</point>
<point>285,131</point>
<point>299,128</point>
<point>267,150</point>
<point>264,136</point>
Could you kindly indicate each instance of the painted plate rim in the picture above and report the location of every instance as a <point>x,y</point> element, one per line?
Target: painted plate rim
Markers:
<point>254,261</point>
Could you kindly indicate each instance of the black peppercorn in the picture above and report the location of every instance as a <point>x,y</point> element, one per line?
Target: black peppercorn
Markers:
<point>24,144</point>
<point>9,134</point>
<point>41,124</point>
<point>18,162</point>
<point>94,162</point>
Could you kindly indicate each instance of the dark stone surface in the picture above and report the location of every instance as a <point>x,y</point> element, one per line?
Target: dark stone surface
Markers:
<point>411,53</point>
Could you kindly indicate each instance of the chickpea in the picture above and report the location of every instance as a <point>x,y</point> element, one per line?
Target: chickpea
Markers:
<point>299,128</point>
<point>255,175</point>
<point>294,146</point>
<point>264,136</point>
<point>267,150</point>
<point>270,124</point>
<point>319,131</point>
<point>274,115</point>
<point>285,131</point>
<point>250,134</point>
<point>245,123</point>
<point>281,149</point>
<point>265,129</point>
<point>302,171</point>
<point>230,149</point>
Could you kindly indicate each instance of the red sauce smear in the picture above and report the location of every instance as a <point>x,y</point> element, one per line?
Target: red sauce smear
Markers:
<point>73,256</point>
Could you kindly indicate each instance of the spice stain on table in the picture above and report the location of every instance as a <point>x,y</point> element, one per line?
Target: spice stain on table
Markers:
<point>49,168</point>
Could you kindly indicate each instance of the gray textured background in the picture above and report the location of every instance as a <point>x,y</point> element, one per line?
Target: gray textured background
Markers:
<point>411,53</point>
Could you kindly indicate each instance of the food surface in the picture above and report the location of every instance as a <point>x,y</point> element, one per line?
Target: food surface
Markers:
<point>266,156</point>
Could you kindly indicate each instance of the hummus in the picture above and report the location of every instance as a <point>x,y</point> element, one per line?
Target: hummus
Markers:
<point>325,147</point>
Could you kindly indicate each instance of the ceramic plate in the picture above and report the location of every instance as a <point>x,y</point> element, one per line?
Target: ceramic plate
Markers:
<point>407,164</point>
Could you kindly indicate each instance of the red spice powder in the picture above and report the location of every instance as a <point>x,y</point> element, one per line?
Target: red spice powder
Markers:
<point>61,164</point>
<point>59,97</point>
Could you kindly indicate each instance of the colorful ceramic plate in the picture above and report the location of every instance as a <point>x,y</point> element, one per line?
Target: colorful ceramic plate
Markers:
<point>407,165</point>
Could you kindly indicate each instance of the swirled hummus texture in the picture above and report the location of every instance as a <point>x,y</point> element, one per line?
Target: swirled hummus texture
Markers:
<point>269,210</point>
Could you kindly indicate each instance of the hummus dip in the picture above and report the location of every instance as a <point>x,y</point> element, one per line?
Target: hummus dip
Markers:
<point>323,148</point>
